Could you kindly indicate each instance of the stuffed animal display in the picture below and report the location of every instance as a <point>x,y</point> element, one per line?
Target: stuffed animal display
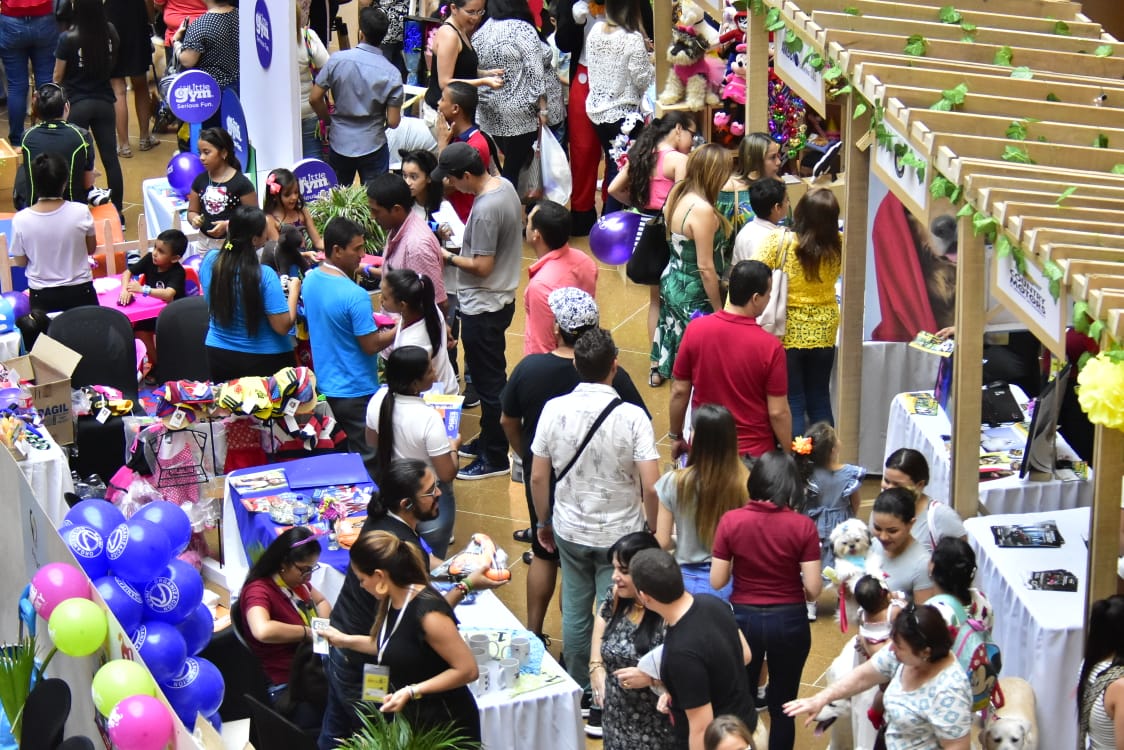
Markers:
<point>695,77</point>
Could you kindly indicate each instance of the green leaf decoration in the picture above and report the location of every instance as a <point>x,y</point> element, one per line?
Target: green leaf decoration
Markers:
<point>970,37</point>
<point>860,110</point>
<point>844,90</point>
<point>814,61</point>
<point>852,11</point>
<point>1085,357</point>
<point>1055,289</point>
<point>965,210</point>
<point>1117,169</point>
<point>1052,271</point>
<point>948,14</point>
<point>1081,319</point>
<point>833,73</point>
<point>1022,72</point>
<point>379,733</point>
<point>1002,246</point>
<point>1105,50</point>
<point>1041,139</point>
<point>957,194</point>
<point>1016,131</point>
<point>1052,97</point>
<point>1020,259</point>
<point>757,7</point>
<point>1061,28</point>
<point>1095,330</point>
<point>984,224</point>
<point>942,105</point>
<point>941,187</point>
<point>773,20</point>
<point>1101,141</point>
<point>910,159</point>
<point>1016,155</point>
<point>915,45</point>
<point>1065,194</point>
<point>1003,56</point>
<point>956,95</point>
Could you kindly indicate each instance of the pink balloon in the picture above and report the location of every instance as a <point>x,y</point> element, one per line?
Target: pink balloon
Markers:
<point>54,584</point>
<point>140,722</point>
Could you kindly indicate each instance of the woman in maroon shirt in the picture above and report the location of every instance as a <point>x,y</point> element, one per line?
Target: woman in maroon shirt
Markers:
<point>774,553</point>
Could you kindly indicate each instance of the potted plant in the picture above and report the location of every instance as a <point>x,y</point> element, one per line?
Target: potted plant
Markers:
<point>380,733</point>
<point>349,202</point>
<point>17,666</point>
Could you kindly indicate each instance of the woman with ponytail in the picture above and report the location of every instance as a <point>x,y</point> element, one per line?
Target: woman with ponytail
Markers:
<point>411,295</point>
<point>401,425</point>
<point>250,314</point>
<point>414,637</point>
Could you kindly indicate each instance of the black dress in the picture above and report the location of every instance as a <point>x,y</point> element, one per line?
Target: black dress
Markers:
<point>130,18</point>
<point>411,660</point>
<point>465,68</point>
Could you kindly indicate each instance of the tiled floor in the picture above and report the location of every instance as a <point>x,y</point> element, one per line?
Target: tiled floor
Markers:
<point>496,506</point>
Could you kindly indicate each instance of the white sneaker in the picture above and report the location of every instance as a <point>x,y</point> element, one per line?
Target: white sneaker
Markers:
<point>811,611</point>
<point>98,196</point>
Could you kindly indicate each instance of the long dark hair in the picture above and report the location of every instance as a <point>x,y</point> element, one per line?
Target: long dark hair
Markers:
<point>1105,641</point>
<point>515,10</point>
<point>714,480</point>
<point>954,567</point>
<point>405,365</point>
<point>775,478</point>
<point>642,154</point>
<point>626,14</point>
<point>221,140</point>
<point>824,440</point>
<point>291,547</point>
<point>287,251</point>
<point>651,624</point>
<point>236,275</point>
<point>415,290</point>
<point>400,479</point>
<point>816,223</point>
<point>95,47</point>
<point>426,162</point>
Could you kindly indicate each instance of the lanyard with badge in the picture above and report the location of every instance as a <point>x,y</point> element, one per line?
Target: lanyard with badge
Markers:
<point>376,677</point>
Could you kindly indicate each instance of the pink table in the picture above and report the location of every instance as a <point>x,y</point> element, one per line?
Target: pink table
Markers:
<point>141,308</point>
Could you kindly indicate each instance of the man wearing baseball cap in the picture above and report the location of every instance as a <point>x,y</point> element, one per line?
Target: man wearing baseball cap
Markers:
<point>487,276</point>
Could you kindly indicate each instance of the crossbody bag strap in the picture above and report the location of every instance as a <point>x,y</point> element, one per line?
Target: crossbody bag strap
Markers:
<point>588,436</point>
<point>784,250</point>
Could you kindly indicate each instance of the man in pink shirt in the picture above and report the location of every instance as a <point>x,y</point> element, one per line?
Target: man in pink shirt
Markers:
<point>558,265</point>
<point>410,243</point>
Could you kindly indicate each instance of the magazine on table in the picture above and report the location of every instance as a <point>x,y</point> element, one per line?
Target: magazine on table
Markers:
<point>933,344</point>
<point>1052,580</point>
<point>1042,534</point>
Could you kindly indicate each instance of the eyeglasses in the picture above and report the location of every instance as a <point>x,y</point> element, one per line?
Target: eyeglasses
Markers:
<point>474,13</point>
<point>432,491</point>
<point>307,570</point>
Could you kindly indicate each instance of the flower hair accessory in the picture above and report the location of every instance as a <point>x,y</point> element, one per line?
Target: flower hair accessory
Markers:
<point>272,184</point>
<point>802,445</point>
<point>228,245</point>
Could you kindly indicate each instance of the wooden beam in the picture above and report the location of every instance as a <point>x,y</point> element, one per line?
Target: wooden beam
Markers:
<point>856,57</point>
<point>5,265</point>
<point>967,370</point>
<point>1104,521</point>
<point>921,12</point>
<point>756,74</point>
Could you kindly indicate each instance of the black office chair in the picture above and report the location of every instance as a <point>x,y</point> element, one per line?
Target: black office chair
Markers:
<point>45,714</point>
<point>104,338</point>
<point>270,729</point>
<point>181,330</point>
<point>77,743</point>
<point>240,668</point>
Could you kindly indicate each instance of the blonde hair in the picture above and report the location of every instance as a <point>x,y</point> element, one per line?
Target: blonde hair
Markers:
<point>751,155</point>
<point>708,168</point>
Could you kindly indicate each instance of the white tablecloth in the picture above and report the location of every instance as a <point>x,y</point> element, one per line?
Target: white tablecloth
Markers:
<point>10,345</point>
<point>1007,495</point>
<point>160,205</point>
<point>1041,633</point>
<point>48,473</point>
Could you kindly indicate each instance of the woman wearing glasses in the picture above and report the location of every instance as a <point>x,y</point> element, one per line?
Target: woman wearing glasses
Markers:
<point>278,603</point>
<point>928,699</point>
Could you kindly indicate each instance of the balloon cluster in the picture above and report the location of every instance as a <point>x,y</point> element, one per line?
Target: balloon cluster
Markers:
<point>157,598</point>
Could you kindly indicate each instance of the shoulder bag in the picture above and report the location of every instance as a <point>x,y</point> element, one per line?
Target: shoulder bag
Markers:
<point>588,436</point>
<point>774,318</point>
<point>650,253</point>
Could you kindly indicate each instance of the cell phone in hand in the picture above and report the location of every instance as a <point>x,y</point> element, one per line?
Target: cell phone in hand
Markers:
<point>319,642</point>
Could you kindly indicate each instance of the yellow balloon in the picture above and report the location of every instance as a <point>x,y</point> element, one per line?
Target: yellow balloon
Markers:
<point>117,680</point>
<point>78,627</point>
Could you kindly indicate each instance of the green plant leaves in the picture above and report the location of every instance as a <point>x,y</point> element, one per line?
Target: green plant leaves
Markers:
<point>832,74</point>
<point>1118,168</point>
<point>757,7</point>
<point>773,20</point>
<point>1004,55</point>
<point>860,110</point>
<point>1016,131</point>
<point>942,187</point>
<point>1081,317</point>
<point>843,90</point>
<point>948,14</point>
<point>965,210</point>
<point>984,224</point>
<point>814,61</point>
<point>1022,72</point>
<point>916,45</point>
<point>1105,50</point>
<point>1016,155</point>
<point>1052,97</point>
<point>951,98</point>
<point>852,11</point>
<point>1096,329</point>
<point>1065,194</point>
<point>349,202</point>
<point>911,159</point>
<point>1101,141</point>
<point>1061,28</point>
<point>1055,273</point>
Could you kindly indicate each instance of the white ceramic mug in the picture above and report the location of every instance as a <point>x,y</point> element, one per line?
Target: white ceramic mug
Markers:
<point>482,640</point>
<point>519,648</point>
<point>509,671</point>
<point>483,683</point>
<point>481,655</point>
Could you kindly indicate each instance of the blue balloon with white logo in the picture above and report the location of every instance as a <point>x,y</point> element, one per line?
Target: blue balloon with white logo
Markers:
<point>88,547</point>
<point>197,629</point>
<point>171,518</point>
<point>101,514</point>
<point>138,550</point>
<point>123,599</point>
<point>197,688</point>
<point>173,594</point>
<point>162,647</point>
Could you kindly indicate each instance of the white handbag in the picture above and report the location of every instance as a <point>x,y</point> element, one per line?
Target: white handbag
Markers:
<point>774,318</point>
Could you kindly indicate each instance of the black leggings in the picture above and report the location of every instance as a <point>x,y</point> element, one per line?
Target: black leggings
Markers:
<point>517,152</point>
<point>225,364</point>
<point>99,118</point>
<point>61,298</point>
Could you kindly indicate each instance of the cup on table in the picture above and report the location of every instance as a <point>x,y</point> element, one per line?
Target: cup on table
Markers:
<point>519,648</point>
<point>481,656</point>
<point>484,641</point>
<point>482,684</point>
<point>509,672</point>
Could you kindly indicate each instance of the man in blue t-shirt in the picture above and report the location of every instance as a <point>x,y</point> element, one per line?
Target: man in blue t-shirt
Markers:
<point>342,331</point>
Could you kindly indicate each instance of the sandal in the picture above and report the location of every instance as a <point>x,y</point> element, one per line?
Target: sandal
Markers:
<point>523,536</point>
<point>148,143</point>
<point>655,380</point>
<point>125,152</point>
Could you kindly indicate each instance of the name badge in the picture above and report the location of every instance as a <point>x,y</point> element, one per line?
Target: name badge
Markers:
<point>376,682</point>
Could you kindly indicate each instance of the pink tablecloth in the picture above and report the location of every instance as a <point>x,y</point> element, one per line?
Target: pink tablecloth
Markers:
<point>141,308</point>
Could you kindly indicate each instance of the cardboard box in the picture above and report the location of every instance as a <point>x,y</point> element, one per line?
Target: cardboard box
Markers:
<point>50,366</point>
<point>10,158</point>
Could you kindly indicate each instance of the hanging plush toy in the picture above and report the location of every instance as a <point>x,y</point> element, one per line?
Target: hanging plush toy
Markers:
<point>729,121</point>
<point>694,77</point>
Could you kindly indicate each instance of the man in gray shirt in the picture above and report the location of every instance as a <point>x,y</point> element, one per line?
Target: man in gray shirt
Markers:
<point>367,91</point>
<point>487,276</point>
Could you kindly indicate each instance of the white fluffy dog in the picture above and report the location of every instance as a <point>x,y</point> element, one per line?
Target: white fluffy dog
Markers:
<point>851,542</point>
<point>1015,726</point>
<point>836,716</point>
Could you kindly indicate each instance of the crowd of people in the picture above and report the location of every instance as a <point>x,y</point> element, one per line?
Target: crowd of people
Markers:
<point>686,595</point>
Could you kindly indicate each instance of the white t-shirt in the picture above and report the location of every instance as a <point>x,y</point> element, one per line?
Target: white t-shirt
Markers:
<point>750,237</point>
<point>920,719</point>
<point>419,432</point>
<point>417,335</point>
<point>54,244</point>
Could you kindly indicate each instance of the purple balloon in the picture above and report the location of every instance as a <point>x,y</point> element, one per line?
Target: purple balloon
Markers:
<point>614,235</point>
<point>172,519</point>
<point>197,688</point>
<point>123,600</point>
<point>88,548</point>
<point>161,647</point>
<point>138,550</point>
<point>174,593</point>
<point>197,629</point>
<point>20,302</point>
<point>182,170</point>
<point>100,514</point>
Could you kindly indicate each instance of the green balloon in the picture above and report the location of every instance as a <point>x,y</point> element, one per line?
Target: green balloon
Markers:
<point>78,627</point>
<point>117,680</point>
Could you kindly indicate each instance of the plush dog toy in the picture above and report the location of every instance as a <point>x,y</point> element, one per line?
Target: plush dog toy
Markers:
<point>694,77</point>
<point>1014,726</point>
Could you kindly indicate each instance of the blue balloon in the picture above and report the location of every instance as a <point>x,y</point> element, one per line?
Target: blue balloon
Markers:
<point>123,600</point>
<point>216,721</point>
<point>20,302</point>
<point>197,629</point>
<point>162,648</point>
<point>614,235</point>
<point>138,550</point>
<point>182,170</point>
<point>174,593</point>
<point>172,519</point>
<point>101,514</point>
<point>197,688</point>
<point>88,547</point>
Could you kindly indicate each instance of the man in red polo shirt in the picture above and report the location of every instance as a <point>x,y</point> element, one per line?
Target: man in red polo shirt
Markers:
<point>558,265</point>
<point>730,360</point>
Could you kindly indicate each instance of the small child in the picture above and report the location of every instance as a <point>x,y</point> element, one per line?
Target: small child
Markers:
<point>877,609</point>
<point>285,206</point>
<point>285,256</point>
<point>164,279</point>
<point>728,732</point>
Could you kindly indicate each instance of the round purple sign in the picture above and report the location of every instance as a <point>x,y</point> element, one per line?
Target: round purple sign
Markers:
<point>194,96</point>
<point>234,122</point>
<point>263,34</point>
<point>314,178</point>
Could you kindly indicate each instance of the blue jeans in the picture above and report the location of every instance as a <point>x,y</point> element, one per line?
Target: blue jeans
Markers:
<point>781,634</point>
<point>368,167</point>
<point>311,146</point>
<point>586,577</point>
<point>696,580</point>
<point>437,532</point>
<point>809,386</point>
<point>23,41</point>
<point>345,682</point>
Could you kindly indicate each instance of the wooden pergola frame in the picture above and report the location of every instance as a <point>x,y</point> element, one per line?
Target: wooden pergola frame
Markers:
<point>1068,92</point>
